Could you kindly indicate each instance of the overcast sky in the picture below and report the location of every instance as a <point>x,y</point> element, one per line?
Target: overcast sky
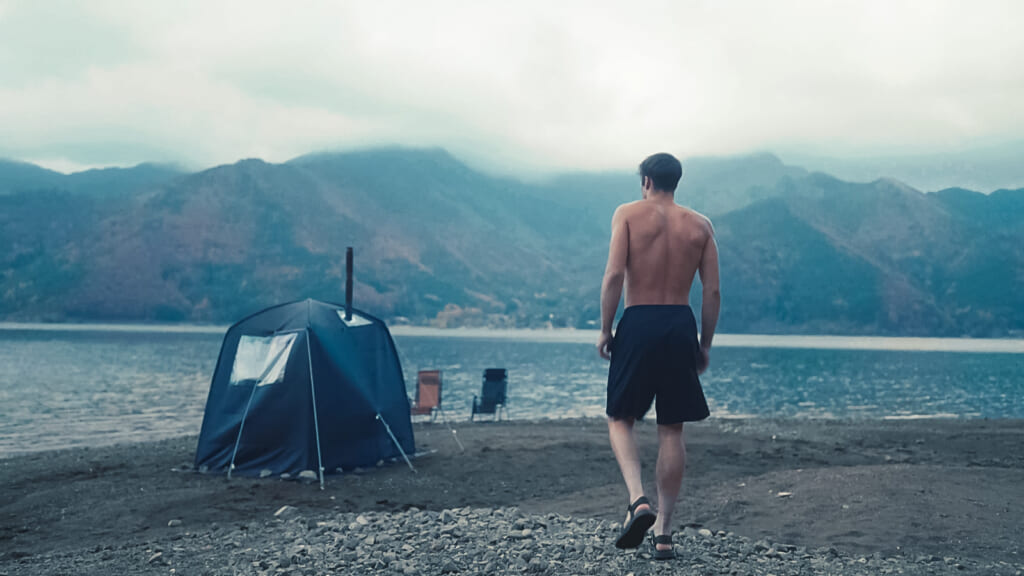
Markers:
<point>512,86</point>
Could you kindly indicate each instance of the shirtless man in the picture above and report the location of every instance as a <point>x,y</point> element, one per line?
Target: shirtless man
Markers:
<point>657,247</point>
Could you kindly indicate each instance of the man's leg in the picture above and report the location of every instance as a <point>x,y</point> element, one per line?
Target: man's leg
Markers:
<point>671,466</point>
<point>620,432</point>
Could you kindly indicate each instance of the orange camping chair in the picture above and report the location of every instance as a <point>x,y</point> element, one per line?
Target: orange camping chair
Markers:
<point>428,399</point>
<point>428,393</point>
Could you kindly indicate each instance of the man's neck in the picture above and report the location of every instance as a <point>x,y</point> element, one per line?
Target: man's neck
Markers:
<point>661,197</point>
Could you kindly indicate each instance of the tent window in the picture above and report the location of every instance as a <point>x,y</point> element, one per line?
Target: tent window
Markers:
<point>356,320</point>
<point>261,359</point>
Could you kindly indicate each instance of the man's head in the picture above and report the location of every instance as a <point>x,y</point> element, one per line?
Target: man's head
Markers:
<point>660,173</point>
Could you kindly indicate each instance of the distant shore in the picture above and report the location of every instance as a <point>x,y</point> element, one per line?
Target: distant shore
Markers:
<point>942,488</point>
<point>581,336</point>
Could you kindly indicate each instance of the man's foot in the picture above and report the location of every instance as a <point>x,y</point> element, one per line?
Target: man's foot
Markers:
<point>642,505</point>
<point>662,545</point>
<point>639,519</point>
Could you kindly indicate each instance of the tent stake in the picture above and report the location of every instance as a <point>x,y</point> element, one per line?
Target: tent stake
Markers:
<point>454,434</point>
<point>395,440</point>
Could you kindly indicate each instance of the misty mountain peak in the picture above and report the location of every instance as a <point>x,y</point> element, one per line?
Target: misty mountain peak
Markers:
<point>398,155</point>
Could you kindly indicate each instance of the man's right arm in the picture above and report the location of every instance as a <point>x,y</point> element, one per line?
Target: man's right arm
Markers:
<point>614,274</point>
<point>712,298</point>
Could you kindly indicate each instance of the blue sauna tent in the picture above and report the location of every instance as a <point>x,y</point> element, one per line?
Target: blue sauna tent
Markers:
<point>298,388</point>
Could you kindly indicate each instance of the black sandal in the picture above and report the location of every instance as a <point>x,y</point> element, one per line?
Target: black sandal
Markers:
<point>662,554</point>
<point>632,534</point>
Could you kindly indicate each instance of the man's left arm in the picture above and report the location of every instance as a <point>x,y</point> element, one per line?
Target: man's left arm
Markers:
<point>614,275</point>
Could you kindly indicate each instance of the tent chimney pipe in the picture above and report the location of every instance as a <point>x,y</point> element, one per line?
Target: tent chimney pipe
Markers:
<point>348,284</point>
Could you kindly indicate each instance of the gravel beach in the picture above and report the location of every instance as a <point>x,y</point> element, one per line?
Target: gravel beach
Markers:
<point>761,497</point>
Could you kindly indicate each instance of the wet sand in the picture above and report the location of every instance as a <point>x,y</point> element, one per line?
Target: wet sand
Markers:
<point>944,488</point>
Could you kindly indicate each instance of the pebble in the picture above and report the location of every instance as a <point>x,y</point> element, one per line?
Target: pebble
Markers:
<point>537,565</point>
<point>286,512</point>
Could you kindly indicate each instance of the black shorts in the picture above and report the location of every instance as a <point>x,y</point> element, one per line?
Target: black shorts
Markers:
<point>654,355</point>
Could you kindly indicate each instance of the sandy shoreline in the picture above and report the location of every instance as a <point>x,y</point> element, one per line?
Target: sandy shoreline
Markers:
<point>943,488</point>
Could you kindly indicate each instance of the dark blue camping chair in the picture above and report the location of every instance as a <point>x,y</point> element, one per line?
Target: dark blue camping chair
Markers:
<point>493,395</point>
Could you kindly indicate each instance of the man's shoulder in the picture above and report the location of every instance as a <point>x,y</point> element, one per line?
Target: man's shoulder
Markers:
<point>702,219</point>
<point>628,209</point>
<point>630,206</point>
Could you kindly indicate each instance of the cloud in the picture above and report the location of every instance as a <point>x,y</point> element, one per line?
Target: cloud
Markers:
<point>524,86</point>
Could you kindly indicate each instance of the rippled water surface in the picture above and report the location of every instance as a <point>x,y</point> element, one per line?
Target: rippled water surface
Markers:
<point>63,388</point>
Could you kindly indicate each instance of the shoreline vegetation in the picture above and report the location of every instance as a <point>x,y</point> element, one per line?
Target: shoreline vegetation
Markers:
<point>588,336</point>
<point>780,496</point>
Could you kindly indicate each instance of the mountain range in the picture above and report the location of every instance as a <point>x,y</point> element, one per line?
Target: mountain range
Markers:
<point>985,168</point>
<point>440,243</point>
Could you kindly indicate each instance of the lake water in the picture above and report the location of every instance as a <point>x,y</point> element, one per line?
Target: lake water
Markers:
<point>98,385</point>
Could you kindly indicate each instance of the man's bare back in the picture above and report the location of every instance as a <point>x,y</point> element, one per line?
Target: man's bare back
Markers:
<point>657,248</point>
<point>665,245</point>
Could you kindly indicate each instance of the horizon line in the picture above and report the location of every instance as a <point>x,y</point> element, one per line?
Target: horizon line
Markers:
<point>589,336</point>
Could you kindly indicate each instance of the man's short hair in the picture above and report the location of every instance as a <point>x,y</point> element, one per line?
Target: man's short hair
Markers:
<point>664,171</point>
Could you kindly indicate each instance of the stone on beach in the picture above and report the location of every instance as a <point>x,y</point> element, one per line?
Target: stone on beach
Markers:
<point>285,512</point>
